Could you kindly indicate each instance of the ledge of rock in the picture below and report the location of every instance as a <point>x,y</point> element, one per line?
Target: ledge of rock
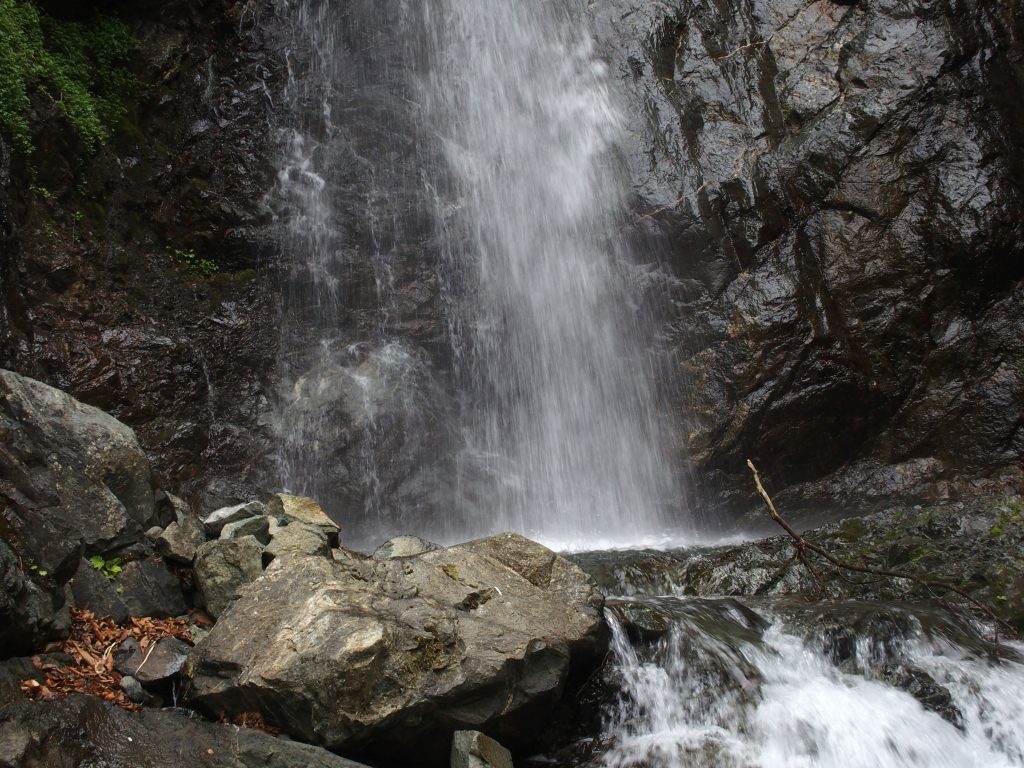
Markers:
<point>83,731</point>
<point>389,658</point>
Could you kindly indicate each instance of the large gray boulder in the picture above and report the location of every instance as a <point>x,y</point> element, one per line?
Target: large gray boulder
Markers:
<point>74,480</point>
<point>73,471</point>
<point>390,658</point>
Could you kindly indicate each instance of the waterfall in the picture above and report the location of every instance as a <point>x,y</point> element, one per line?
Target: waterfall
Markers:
<point>552,338</point>
<point>493,124</point>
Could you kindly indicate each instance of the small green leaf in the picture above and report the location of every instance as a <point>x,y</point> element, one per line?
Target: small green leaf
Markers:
<point>42,573</point>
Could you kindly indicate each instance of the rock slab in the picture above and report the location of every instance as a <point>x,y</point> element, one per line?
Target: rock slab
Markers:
<point>389,658</point>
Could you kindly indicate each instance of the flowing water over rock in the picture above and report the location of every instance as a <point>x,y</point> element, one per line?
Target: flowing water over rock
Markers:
<point>765,682</point>
<point>485,133</point>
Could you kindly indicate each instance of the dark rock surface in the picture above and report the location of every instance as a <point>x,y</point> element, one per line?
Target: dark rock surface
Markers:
<point>223,566</point>
<point>149,588</point>
<point>94,592</point>
<point>976,546</point>
<point>97,302</point>
<point>73,480</point>
<point>79,732</point>
<point>835,189</point>
<point>31,613</point>
<point>389,658</point>
<point>73,476</point>
<point>154,665</point>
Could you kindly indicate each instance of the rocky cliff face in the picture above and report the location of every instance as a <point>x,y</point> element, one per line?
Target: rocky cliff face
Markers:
<point>835,187</point>
<point>105,273</point>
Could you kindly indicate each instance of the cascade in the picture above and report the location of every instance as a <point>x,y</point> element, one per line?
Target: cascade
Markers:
<point>552,336</point>
<point>768,683</point>
<point>499,127</point>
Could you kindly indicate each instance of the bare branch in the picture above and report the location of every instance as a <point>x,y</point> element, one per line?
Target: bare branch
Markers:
<point>802,545</point>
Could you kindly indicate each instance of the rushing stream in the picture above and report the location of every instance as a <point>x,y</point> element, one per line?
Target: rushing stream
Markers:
<point>761,682</point>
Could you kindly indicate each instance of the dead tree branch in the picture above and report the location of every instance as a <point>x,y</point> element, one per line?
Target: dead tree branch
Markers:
<point>803,546</point>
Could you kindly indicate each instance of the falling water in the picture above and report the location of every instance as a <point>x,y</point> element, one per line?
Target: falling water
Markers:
<point>353,394</point>
<point>495,122</point>
<point>552,340</point>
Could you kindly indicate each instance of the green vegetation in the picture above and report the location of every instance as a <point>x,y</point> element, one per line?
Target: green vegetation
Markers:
<point>79,65</point>
<point>1011,514</point>
<point>110,568</point>
<point>195,265</point>
<point>450,571</point>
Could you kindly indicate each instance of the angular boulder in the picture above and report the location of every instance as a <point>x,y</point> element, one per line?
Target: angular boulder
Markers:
<point>472,749</point>
<point>216,520</point>
<point>76,476</point>
<point>75,479</point>
<point>389,658</point>
<point>297,539</point>
<point>257,527</point>
<point>224,565</point>
<point>288,508</point>
<point>180,540</point>
<point>148,588</point>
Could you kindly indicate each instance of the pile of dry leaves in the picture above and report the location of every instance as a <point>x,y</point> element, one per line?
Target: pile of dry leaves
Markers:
<point>91,647</point>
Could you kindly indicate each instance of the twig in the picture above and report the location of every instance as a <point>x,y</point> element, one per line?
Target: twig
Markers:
<point>148,654</point>
<point>802,545</point>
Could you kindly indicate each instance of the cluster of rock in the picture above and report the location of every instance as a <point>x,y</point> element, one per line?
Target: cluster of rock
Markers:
<point>386,656</point>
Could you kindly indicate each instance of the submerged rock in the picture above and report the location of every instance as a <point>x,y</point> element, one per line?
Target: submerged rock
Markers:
<point>389,658</point>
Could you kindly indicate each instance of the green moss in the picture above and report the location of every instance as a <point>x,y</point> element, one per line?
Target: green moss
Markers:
<point>451,571</point>
<point>79,65</point>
